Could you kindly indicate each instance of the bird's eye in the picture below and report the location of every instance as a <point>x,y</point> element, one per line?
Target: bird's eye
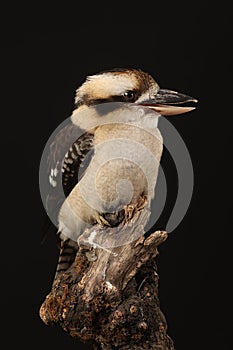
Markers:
<point>129,95</point>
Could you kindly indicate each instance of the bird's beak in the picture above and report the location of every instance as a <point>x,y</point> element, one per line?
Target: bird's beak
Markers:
<point>168,102</point>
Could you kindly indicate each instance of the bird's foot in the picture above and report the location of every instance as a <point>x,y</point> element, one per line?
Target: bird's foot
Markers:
<point>134,208</point>
<point>101,221</point>
<point>142,202</point>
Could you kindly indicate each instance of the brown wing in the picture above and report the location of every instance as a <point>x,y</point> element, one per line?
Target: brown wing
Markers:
<point>67,153</point>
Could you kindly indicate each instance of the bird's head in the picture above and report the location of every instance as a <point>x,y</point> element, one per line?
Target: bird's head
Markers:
<point>131,86</point>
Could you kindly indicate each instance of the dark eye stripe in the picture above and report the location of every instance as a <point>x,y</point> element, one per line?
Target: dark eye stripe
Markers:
<point>134,95</point>
<point>116,98</point>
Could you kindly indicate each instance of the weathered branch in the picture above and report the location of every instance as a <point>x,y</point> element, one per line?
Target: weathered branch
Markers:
<point>109,296</point>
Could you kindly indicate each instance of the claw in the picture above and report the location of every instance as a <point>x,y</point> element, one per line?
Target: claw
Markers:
<point>102,221</point>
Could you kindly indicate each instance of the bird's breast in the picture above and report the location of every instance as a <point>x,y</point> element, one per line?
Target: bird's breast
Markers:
<point>124,166</point>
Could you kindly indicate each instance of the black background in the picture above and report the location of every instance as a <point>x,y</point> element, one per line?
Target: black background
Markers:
<point>186,49</point>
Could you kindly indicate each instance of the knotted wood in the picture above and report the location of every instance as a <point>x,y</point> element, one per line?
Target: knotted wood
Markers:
<point>109,296</point>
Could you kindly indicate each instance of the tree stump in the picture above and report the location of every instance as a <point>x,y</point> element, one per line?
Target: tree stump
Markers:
<point>109,296</point>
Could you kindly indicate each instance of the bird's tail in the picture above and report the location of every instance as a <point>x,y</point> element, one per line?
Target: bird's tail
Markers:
<point>67,255</point>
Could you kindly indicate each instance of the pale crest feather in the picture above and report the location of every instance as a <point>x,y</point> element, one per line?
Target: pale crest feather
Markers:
<point>102,86</point>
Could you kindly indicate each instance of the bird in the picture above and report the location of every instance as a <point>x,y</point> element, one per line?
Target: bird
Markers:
<point>107,154</point>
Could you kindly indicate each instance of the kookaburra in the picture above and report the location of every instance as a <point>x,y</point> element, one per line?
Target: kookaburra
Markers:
<point>113,132</point>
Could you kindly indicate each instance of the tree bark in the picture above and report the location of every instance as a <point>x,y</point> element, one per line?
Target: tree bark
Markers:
<point>109,296</point>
